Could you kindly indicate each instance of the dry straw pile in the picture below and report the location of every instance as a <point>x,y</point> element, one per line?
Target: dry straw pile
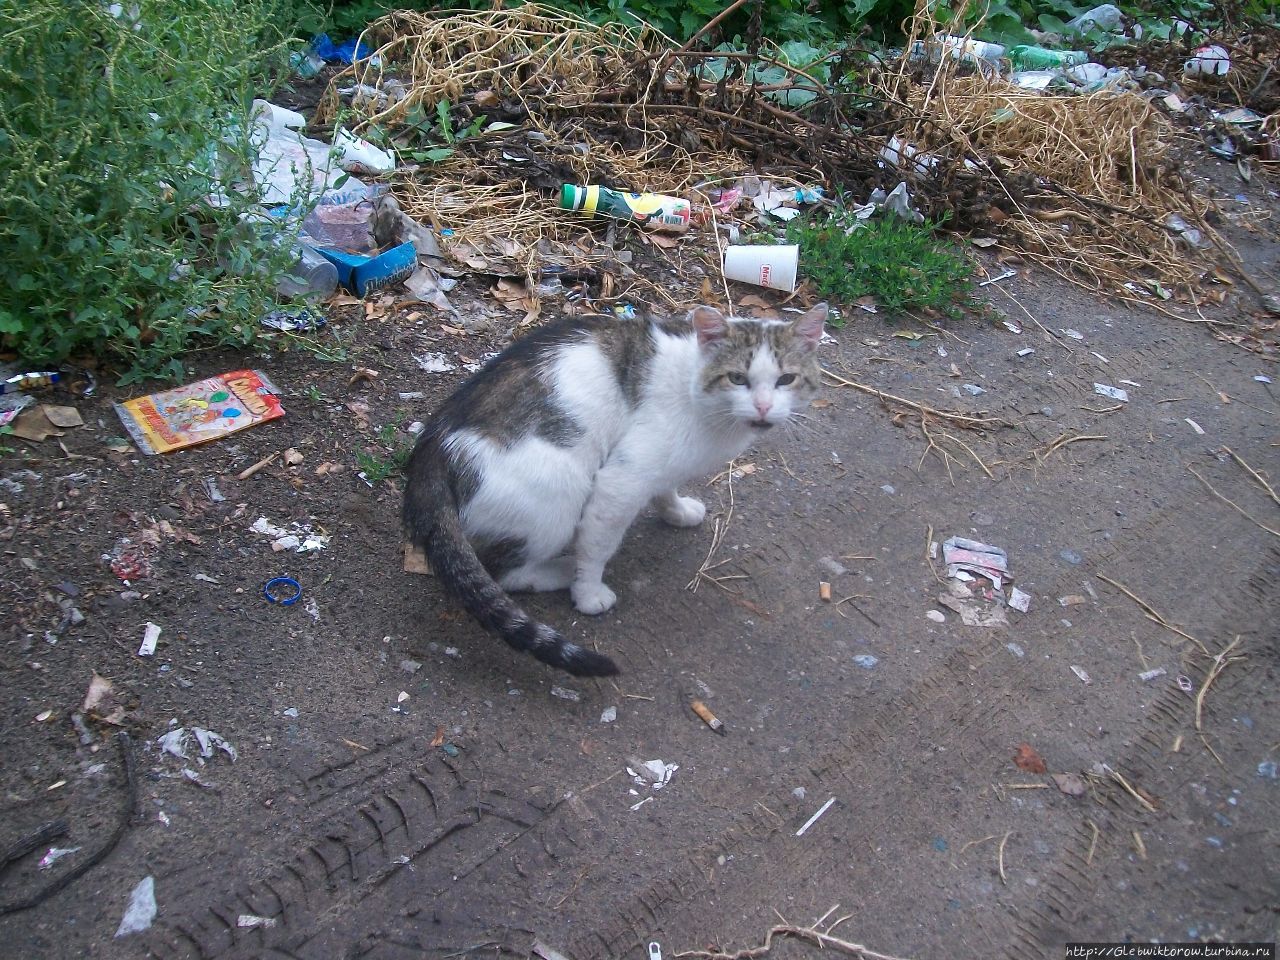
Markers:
<point>1080,184</point>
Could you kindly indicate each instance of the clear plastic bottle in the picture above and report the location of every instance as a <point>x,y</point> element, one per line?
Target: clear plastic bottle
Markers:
<point>312,277</point>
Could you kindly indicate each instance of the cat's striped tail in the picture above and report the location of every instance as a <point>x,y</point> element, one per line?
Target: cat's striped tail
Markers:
<point>432,523</point>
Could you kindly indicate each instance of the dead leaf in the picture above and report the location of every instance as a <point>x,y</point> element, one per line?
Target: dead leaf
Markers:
<point>62,416</point>
<point>362,375</point>
<point>456,331</point>
<point>820,404</point>
<point>328,467</point>
<point>438,739</point>
<point>908,335</point>
<point>33,424</point>
<point>754,300</point>
<point>487,100</point>
<point>662,240</point>
<point>101,702</point>
<point>415,561</point>
<point>1027,759</point>
<point>984,242</point>
<point>292,457</point>
<point>1070,784</point>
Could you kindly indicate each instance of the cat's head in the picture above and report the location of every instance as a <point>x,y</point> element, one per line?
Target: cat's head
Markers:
<point>758,371</point>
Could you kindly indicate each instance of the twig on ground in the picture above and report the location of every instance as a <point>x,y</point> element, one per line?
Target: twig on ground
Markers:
<point>21,847</point>
<point>811,934</point>
<point>122,824</point>
<point>1093,843</point>
<point>719,527</point>
<point>863,613</point>
<point>1152,614</point>
<point>1232,504</point>
<point>1219,664</point>
<point>1255,474</point>
<point>1119,778</point>
<point>1064,440</point>
<point>960,419</point>
<point>1000,856</point>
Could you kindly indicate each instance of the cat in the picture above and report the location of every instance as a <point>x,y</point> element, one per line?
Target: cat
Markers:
<point>531,472</point>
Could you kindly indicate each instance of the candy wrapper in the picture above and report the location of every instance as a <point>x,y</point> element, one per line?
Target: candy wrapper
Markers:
<point>200,412</point>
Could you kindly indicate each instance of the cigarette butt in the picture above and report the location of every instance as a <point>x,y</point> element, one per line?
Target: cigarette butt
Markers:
<point>709,718</point>
<point>824,591</point>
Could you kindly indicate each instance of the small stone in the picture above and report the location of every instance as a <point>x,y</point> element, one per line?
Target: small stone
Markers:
<point>609,714</point>
<point>1071,557</point>
<point>410,666</point>
<point>866,661</point>
<point>798,793</point>
<point>888,488</point>
<point>564,693</point>
<point>1015,649</point>
<point>289,712</point>
<point>937,616</point>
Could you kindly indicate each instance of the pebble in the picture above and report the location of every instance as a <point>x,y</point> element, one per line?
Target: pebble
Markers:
<point>888,488</point>
<point>290,712</point>
<point>1267,769</point>
<point>866,661</point>
<point>1015,649</point>
<point>936,616</point>
<point>609,714</point>
<point>1071,556</point>
<point>798,793</point>
<point>410,666</point>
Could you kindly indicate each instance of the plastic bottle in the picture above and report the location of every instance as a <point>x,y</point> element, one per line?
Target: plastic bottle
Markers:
<point>960,48</point>
<point>651,210</point>
<point>1026,57</point>
<point>312,277</point>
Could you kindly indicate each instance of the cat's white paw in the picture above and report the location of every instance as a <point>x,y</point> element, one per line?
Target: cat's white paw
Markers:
<point>554,574</point>
<point>593,598</point>
<point>684,512</point>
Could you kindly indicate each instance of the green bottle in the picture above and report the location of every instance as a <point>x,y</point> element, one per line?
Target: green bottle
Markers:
<point>1026,57</point>
<point>652,210</point>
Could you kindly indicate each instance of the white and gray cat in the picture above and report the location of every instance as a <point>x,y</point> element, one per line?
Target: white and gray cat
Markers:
<point>529,475</point>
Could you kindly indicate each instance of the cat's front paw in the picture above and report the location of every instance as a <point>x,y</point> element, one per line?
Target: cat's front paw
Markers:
<point>593,598</point>
<point>684,512</point>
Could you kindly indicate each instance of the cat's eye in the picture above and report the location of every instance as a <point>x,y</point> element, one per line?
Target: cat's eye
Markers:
<point>736,378</point>
<point>786,379</point>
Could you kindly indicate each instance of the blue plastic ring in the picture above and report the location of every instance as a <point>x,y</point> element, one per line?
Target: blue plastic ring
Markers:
<point>278,583</point>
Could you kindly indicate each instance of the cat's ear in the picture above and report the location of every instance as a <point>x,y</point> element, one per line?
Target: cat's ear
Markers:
<point>809,326</point>
<point>710,325</point>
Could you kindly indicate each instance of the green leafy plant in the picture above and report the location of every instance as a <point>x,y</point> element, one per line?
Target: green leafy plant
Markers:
<point>115,130</point>
<point>901,265</point>
<point>396,446</point>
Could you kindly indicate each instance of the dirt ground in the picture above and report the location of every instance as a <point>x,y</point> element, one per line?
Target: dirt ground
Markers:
<point>406,786</point>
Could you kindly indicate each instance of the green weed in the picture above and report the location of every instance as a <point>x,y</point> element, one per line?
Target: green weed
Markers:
<point>391,462</point>
<point>903,266</point>
<point>114,131</point>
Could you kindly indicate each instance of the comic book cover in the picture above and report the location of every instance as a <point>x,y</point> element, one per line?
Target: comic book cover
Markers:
<point>200,412</point>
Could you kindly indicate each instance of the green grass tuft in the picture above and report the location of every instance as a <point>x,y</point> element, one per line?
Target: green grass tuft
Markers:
<point>903,266</point>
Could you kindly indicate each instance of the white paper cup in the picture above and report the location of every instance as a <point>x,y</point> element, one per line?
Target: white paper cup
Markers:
<point>765,266</point>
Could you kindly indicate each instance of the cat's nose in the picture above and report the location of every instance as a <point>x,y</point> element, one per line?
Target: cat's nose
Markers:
<point>763,407</point>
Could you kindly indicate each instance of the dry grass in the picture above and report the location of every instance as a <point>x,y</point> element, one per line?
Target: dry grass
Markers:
<point>1078,184</point>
